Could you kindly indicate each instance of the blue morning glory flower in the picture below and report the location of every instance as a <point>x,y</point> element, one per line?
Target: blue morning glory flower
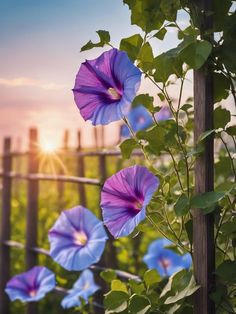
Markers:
<point>83,288</point>
<point>163,114</point>
<point>106,86</point>
<point>77,239</point>
<point>32,285</point>
<point>139,119</point>
<point>124,199</point>
<point>164,260</point>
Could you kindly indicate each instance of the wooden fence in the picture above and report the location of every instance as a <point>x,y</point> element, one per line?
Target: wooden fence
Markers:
<point>33,178</point>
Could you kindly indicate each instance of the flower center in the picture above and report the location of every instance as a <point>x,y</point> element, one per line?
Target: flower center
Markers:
<point>141,120</point>
<point>80,238</point>
<point>86,286</point>
<point>32,293</point>
<point>113,93</point>
<point>165,263</point>
<point>138,205</point>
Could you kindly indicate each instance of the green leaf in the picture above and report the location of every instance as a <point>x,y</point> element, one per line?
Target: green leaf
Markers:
<point>108,275</point>
<point>189,230</point>
<point>127,146</point>
<point>221,9</point>
<point>221,117</point>
<point>177,282</point>
<point>182,205</point>
<point>104,39</point>
<point>145,100</point>
<point>104,36</point>
<point>189,290</point>
<point>161,33</point>
<point>174,308</point>
<point>227,271</point>
<point>228,228</point>
<point>139,304</point>
<point>116,301</point>
<point>207,200</point>
<point>146,14</point>
<point>117,285</point>
<point>156,138</point>
<point>231,130</point>
<point>196,53</point>
<point>137,287</point>
<point>221,86</point>
<point>161,96</point>
<point>151,277</point>
<point>166,64</point>
<point>170,9</point>
<point>186,107</point>
<point>145,57</point>
<point>132,45</point>
<point>205,135</point>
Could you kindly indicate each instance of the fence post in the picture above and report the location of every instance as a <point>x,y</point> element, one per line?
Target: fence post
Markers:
<point>203,225</point>
<point>102,136</point>
<point>95,130</point>
<point>80,171</point>
<point>66,140</point>
<point>5,227</point>
<point>32,209</point>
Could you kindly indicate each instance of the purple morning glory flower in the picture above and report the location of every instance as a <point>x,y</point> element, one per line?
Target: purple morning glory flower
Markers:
<point>124,198</point>
<point>105,87</point>
<point>31,285</point>
<point>163,114</point>
<point>77,239</point>
<point>83,288</point>
<point>139,119</point>
<point>164,260</point>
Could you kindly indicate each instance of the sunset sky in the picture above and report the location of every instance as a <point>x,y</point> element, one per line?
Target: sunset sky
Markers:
<point>40,44</point>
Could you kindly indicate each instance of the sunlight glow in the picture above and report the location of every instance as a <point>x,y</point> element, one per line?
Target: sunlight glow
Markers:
<point>48,147</point>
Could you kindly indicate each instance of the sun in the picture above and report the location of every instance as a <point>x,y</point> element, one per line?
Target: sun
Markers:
<point>48,147</point>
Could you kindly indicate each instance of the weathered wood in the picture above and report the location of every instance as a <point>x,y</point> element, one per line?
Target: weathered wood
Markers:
<point>102,136</point>
<point>49,177</point>
<point>32,210</point>
<point>66,140</point>
<point>203,225</point>
<point>80,171</point>
<point>5,228</point>
<point>95,130</point>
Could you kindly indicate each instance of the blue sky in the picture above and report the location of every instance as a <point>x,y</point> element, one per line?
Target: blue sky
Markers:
<point>40,44</point>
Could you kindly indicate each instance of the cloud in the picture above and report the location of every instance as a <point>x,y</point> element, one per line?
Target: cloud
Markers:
<point>26,81</point>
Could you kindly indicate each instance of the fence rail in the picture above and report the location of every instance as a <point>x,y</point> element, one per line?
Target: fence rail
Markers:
<point>32,178</point>
<point>47,177</point>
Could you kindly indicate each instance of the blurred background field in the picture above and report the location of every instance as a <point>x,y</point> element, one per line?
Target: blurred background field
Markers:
<point>57,196</point>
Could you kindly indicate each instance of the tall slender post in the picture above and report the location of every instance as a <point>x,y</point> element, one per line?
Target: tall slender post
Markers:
<point>66,140</point>
<point>80,171</point>
<point>102,136</point>
<point>5,227</point>
<point>95,130</point>
<point>203,225</point>
<point>32,209</point>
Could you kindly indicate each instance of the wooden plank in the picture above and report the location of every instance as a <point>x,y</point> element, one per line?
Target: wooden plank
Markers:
<point>32,210</point>
<point>66,140</point>
<point>95,134</point>
<point>50,177</point>
<point>5,228</point>
<point>80,171</point>
<point>203,225</point>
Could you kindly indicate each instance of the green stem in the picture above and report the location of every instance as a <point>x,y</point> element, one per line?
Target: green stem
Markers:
<point>179,244</point>
<point>230,157</point>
